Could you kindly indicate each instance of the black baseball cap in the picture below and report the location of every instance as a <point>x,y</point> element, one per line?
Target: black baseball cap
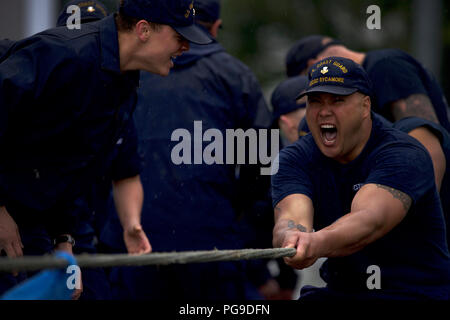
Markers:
<point>305,49</point>
<point>284,96</point>
<point>337,75</point>
<point>179,14</point>
<point>90,10</point>
<point>207,10</point>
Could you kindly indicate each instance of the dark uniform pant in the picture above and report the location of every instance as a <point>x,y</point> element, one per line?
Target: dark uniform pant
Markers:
<point>213,281</point>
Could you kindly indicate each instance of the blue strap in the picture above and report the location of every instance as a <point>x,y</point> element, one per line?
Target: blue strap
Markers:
<point>47,285</point>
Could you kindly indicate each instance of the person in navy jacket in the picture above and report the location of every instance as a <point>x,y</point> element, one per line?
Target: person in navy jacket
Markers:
<point>194,206</point>
<point>66,99</point>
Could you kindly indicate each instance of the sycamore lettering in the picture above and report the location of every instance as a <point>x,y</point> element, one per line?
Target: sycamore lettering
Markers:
<point>331,79</point>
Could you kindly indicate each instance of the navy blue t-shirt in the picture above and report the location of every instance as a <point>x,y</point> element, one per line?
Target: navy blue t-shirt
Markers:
<point>413,257</point>
<point>407,125</point>
<point>411,123</point>
<point>396,75</point>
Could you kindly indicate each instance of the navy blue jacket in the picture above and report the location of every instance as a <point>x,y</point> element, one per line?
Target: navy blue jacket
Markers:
<point>64,104</point>
<point>193,206</point>
<point>5,44</point>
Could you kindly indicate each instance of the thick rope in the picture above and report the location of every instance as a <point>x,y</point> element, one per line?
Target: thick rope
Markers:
<point>34,263</point>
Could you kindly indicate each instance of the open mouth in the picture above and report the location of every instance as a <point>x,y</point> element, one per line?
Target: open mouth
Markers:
<point>329,133</point>
<point>172,60</point>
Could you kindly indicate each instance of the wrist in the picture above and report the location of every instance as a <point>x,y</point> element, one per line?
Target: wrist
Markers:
<point>64,246</point>
<point>64,240</point>
<point>321,248</point>
<point>132,227</point>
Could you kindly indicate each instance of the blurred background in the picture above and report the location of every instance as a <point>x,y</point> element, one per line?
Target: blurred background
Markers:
<point>260,32</point>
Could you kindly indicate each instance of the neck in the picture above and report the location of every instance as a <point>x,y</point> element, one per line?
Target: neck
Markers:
<point>126,49</point>
<point>359,57</point>
<point>366,130</point>
<point>342,51</point>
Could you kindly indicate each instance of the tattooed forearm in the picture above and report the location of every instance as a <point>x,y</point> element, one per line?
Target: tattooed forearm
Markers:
<point>403,197</point>
<point>291,225</point>
<point>416,105</point>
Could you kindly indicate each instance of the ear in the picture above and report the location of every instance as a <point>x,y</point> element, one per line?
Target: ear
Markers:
<point>367,105</point>
<point>285,121</point>
<point>143,30</point>
<point>215,28</point>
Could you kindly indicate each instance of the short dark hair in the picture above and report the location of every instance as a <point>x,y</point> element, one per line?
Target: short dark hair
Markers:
<point>306,48</point>
<point>126,23</point>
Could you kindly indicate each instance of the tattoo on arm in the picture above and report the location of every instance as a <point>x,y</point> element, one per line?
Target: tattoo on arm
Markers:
<point>301,228</point>
<point>416,105</point>
<point>403,197</point>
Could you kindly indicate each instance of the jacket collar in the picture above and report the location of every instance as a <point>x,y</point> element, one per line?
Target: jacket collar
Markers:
<point>109,44</point>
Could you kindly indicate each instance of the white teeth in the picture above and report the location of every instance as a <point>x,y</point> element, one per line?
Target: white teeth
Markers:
<point>327,126</point>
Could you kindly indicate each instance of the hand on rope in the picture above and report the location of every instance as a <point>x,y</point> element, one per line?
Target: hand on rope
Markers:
<point>136,240</point>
